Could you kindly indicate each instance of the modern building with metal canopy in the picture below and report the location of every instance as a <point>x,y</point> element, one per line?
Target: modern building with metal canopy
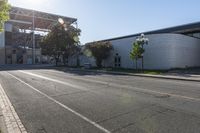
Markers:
<point>19,43</point>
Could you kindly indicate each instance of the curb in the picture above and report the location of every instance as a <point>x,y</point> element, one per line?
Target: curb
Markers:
<point>139,75</point>
<point>166,77</point>
<point>10,118</point>
<point>2,123</point>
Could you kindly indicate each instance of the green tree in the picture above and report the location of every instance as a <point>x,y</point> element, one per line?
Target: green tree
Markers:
<point>136,52</point>
<point>4,13</point>
<point>61,41</point>
<point>100,51</point>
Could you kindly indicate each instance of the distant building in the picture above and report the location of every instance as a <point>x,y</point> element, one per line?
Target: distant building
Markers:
<point>18,44</point>
<point>175,47</point>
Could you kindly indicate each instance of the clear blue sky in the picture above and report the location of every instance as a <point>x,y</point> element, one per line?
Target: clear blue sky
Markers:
<point>103,19</point>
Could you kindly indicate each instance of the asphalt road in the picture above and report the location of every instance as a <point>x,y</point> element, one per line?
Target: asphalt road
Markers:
<point>51,101</point>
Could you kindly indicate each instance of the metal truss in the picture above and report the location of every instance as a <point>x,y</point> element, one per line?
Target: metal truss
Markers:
<point>24,18</point>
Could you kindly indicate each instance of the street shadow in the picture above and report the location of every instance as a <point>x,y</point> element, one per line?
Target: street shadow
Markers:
<point>23,67</point>
<point>83,72</point>
<point>69,70</point>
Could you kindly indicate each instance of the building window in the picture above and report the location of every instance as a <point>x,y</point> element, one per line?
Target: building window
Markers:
<point>14,51</point>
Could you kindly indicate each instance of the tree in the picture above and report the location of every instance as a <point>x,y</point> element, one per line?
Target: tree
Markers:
<point>61,41</point>
<point>100,51</point>
<point>136,52</point>
<point>4,13</point>
<point>142,40</point>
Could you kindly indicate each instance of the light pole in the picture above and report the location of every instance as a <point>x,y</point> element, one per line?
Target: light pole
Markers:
<point>142,40</point>
<point>33,47</point>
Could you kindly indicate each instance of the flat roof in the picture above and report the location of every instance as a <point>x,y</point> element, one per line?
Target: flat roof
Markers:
<point>23,18</point>
<point>181,29</point>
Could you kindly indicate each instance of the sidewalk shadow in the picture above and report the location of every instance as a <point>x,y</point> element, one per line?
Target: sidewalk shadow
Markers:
<point>83,72</point>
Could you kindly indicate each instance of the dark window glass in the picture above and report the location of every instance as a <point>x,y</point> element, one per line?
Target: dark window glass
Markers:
<point>8,38</point>
<point>119,59</point>
<point>14,51</point>
<point>115,59</point>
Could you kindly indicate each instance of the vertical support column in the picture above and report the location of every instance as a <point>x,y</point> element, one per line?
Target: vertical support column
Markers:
<point>33,28</point>
<point>77,60</point>
<point>143,59</point>
<point>2,47</point>
<point>4,43</point>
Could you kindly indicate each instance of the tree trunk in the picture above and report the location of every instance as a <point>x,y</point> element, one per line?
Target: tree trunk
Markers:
<point>64,59</point>
<point>57,58</point>
<point>99,63</point>
<point>77,61</point>
<point>56,61</point>
<point>136,64</point>
<point>67,58</point>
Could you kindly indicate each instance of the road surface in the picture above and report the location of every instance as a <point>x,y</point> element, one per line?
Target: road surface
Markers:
<point>52,101</point>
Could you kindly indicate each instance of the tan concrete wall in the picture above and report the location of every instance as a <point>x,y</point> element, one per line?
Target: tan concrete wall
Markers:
<point>2,39</point>
<point>14,59</point>
<point>2,50</point>
<point>24,59</point>
<point>2,56</point>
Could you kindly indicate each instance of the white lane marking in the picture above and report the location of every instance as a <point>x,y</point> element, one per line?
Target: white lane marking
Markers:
<point>65,83</point>
<point>166,81</point>
<point>54,80</point>
<point>114,85</point>
<point>64,106</point>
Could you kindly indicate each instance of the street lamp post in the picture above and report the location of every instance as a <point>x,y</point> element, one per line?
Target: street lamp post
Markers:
<point>33,47</point>
<point>142,40</point>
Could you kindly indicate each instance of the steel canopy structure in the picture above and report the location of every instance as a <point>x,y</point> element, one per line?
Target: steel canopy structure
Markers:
<point>25,18</point>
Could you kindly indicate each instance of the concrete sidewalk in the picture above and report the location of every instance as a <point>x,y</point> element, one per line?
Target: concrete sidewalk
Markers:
<point>9,120</point>
<point>174,76</point>
<point>2,123</point>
